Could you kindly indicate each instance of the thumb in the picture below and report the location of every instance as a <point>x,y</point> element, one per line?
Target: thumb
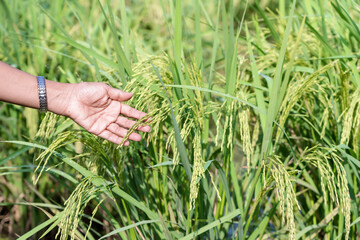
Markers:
<point>118,95</point>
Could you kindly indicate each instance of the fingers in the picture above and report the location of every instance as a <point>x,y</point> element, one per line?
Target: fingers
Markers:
<point>128,111</point>
<point>127,123</point>
<point>118,95</point>
<point>114,133</point>
<point>121,132</point>
<point>107,135</point>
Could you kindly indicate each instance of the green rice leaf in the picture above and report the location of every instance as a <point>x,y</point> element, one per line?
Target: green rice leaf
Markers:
<point>116,231</point>
<point>209,226</point>
<point>179,141</point>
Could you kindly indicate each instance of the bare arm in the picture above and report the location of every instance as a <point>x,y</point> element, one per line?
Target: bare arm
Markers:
<point>20,88</point>
<point>97,107</point>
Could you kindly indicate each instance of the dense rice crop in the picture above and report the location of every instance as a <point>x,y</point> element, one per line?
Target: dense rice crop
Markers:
<point>255,109</point>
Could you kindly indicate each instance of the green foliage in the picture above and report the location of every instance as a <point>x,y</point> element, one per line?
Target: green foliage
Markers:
<point>254,108</point>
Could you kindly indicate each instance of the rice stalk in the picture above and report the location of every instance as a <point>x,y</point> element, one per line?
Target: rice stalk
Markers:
<point>47,126</point>
<point>324,122</point>
<point>190,112</point>
<point>74,209</point>
<point>198,169</point>
<point>318,159</point>
<point>92,216</point>
<point>334,181</point>
<point>139,123</point>
<point>285,192</point>
<point>218,125</point>
<point>229,111</point>
<point>62,139</point>
<point>255,135</point>
<point>351,122</point>
<point>244,115</point>
<point>295,91</point>
<point>344,195</point>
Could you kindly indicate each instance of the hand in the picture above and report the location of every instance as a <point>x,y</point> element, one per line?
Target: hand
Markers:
<point>98,108</point>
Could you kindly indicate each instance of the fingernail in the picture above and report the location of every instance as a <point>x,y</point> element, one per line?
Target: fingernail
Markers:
<point>135,137</point>
<point>144,128</point>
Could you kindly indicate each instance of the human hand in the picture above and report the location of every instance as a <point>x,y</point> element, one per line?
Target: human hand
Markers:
<point>99,109</point>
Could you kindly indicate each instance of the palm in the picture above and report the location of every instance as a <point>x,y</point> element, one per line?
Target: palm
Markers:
<point>98,108</point>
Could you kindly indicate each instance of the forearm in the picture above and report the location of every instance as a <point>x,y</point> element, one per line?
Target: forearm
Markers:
<point>20,88</point>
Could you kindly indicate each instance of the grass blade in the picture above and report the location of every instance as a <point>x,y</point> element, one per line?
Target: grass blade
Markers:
<point>274,101</point>
<point>116,231</point>
<point>179,141</point>
<point>38,228</point>
<point>14,155</point>
<point>216,93</point>
<point>209,226</point>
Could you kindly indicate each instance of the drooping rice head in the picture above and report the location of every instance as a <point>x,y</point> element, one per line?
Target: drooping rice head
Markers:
<point>333,178</point>
<point>189,114</point>
<point>296,90</point>
<point>74,209</point>
<point>351,122</point>
<point>284,184</point>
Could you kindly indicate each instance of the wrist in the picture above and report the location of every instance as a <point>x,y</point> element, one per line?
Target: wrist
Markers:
<point>58,97</point>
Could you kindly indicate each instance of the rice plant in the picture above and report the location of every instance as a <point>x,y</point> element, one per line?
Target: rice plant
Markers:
<point>254,109</point>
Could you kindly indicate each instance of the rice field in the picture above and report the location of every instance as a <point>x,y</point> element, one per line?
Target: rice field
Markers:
<point>255,117</point>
